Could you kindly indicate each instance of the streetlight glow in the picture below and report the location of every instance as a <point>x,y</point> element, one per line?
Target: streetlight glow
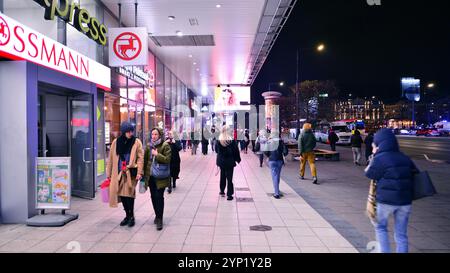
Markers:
<point>321,48</point>
<point>431,85</point>
<point>281,83</point>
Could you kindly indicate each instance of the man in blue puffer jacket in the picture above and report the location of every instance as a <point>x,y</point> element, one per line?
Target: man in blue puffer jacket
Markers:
<point>393,172</point>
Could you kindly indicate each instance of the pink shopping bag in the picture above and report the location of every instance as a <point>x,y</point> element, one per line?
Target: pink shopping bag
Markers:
<point>104,189</point>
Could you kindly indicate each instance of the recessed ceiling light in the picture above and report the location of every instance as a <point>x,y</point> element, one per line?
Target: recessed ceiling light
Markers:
<point>198,69</point>
<point>171,18</point>
<point>218,5</point>
<point>195,63</point>
<point>190,55</point>
<point>179,33</point>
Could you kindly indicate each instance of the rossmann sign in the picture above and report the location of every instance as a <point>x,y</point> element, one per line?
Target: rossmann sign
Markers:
<point>18,42</point>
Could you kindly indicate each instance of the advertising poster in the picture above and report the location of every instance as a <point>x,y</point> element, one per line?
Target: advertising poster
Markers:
<point>231,98</point>
<point>53,183</point>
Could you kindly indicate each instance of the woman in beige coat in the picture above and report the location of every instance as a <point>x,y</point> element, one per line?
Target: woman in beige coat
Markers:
<point>125,169</point>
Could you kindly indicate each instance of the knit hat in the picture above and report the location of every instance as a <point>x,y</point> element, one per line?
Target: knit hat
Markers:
<point>126,127</point>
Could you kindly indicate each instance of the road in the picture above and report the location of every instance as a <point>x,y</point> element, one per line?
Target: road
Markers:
<point>437,148</point>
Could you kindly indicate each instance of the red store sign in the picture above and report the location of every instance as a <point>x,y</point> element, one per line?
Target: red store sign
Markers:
<point>18,42</point>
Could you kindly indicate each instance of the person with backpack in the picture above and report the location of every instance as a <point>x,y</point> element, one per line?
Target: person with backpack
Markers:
<point>332,139</point>
<point>393,172</point>
<point>277,151</point>
<point>306,145</point>
<point>356,143</point>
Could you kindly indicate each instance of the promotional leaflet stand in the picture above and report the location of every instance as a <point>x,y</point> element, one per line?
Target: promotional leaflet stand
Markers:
<point>53,181</point>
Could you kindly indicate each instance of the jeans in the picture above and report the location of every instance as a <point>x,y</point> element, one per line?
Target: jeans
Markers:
<point>226,179</point>
<point>157,196</point>
<point>275,168</point>
<point>356,154</point>
<point>401,216</point>
<point>308,157</point>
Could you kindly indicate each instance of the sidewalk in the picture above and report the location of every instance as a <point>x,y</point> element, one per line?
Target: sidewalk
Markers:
<point>342,195</point>
<point>196,219</point>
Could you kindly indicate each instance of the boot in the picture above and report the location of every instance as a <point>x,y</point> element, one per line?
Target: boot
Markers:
<point>125,220</point>
<point>131,220</point>
<point>159,223</point>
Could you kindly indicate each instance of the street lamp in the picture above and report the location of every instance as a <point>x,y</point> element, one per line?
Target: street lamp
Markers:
<point>319,48</point>
<point>430,85</point>
<point>281,84</point>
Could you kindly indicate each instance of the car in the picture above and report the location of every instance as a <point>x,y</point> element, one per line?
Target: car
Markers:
<point>404,132</point>
<point>428,132</point>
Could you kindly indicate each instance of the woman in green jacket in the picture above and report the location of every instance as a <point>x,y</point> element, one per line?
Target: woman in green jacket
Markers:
<point>159,151</point>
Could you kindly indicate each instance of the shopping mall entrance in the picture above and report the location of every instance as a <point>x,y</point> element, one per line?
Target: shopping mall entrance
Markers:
<point>65,129</point>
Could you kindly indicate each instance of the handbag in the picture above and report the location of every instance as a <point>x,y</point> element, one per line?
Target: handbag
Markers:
<point>371,209</point>
<point>160,171</point>
<point>422,185</point>
<point>142,187</point>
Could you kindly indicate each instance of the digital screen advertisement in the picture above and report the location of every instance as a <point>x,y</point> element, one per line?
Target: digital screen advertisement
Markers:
<point>231,98</point>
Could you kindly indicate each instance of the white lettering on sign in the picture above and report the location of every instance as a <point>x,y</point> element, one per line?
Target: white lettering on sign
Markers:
<point>138,75</point>
<point>18,42</point>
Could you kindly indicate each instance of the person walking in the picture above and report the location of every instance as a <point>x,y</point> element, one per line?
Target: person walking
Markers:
<point>277,151</point>
<point>246,141</point>
<point>175,160</point>
<point>195,142</point>
<point>183,141</point>
<point>368,142</point>
<point>213,138</point>
<point>356,143</point>
<point>393,172</point>
<point>306,145</point>
<point>158,152</point>
<point>205,143</point>
<point>227,156</point>
<point>124,170</point>
<point>332,139</point>
<point>260,146</point>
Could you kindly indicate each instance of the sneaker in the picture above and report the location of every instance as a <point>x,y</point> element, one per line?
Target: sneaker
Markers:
<point>302,177</point>
<point>222,194</point>
<point>315,181</point>
<point>131,222</point>
<point>229,198</point>
<point>276,196</point>
<point>124,221</point>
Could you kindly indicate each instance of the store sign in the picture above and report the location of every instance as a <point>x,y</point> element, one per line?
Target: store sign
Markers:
<point>128,46</point>
<point>18,42</point>
<point>53,183</point>
<point>70,12</point>
<point>138,75</point>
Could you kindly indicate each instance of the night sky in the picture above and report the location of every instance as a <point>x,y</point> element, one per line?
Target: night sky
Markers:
<point>369,48</point>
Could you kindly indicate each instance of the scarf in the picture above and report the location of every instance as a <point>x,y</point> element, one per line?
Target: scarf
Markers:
<point>124,145</point>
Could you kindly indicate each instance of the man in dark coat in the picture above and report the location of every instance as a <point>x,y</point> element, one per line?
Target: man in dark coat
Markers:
<point>333,139</point>
<point>393,172</point>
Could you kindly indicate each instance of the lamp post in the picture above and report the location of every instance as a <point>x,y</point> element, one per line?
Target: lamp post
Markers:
<point>319,48</point>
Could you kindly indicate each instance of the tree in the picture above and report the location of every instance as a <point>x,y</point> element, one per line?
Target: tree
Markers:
<point>317,99</point>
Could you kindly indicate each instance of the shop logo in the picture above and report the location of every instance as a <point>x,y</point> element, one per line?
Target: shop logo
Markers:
<point>125,47</point>
<point>5,34</point>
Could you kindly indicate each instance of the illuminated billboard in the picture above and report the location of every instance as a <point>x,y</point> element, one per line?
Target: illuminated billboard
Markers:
<point>232,98</point>
<point>411,89</point>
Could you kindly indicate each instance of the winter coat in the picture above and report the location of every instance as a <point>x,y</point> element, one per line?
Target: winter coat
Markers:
<point>175,159</point>
<point>278,153</point>
<point>124,185</point>
<point>227,156</point>
<point>392,170</point>
<point>356,140</point>
<point>368,142</point>
<point>333,138</point>
<point>306,142</point>
<point>164,156</point>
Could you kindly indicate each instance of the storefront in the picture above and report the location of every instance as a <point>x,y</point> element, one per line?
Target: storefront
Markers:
<point>47,97</point>
<point>60,102</point>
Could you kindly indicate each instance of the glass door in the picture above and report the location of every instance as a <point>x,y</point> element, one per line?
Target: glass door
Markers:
<point>82,146</point>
